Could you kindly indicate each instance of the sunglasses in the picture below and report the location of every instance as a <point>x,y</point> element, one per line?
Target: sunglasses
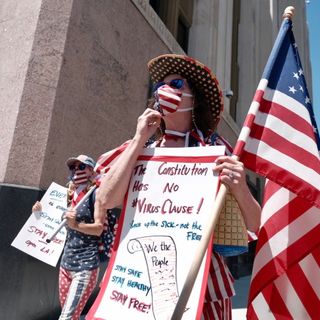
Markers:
<point>175,83</point>
<point>80,166</point>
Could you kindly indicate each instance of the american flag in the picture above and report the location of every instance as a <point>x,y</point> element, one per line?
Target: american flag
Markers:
<point>280,141</point>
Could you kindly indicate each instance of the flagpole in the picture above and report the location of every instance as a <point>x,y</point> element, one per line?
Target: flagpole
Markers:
<point>64,221</point>
<point>213,218</point>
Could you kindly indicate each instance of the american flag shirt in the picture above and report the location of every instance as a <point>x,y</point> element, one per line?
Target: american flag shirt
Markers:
<point>81,250</point>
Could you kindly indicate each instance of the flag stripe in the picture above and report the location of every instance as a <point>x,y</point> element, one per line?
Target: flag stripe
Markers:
<point>277,264</point>
<point>259,309</point>
<point>306,296</point>
<point>275,157</point>
<point>276,198</point>
<point>310,266</point>
<point>290,298</point>
<point>250,120</point>
<point>167,105</point>
<point>270,169</point>
<point>280,140</point>
<point>294,235</point>
<point>223,276</point>
<point>276,304</point>
<point>169,96</point>
<point>287,124</point>
<point>287,102</point>
<point>281,220</point>
<point>219,282</point>
<point>270,190</point>
<point>316,257</point>
<point>292,122</point>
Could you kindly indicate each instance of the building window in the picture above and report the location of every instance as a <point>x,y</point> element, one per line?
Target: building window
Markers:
<point>183,34</point>
<point>177,16</point>
<point>158,7</point>
<point>155,4</point>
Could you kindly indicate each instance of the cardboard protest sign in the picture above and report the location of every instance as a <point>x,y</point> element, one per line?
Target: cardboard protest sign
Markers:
<point>169,199</point>
<point>32,237</point>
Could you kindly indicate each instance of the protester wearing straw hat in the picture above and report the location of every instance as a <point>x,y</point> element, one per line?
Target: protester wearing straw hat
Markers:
<point>79,267</point>
<point>184,111</point>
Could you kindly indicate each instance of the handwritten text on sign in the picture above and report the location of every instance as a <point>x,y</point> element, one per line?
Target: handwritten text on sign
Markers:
<point>32,237</point>
<point>170,196</point>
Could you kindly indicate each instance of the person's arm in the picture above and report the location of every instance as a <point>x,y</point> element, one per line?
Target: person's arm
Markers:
<point>94,228</point>
<point>114,184</point>
<point>232,174</point>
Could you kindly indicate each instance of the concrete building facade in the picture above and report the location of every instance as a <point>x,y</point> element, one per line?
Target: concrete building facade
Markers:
<point>74,80</point>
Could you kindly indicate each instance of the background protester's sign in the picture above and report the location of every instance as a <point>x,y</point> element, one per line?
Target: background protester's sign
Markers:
<point>32,237</point>
<point>169,199</point>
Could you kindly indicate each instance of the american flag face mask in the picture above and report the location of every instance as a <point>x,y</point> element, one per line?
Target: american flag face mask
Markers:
<point>80,176</point>
<point>168,100</point>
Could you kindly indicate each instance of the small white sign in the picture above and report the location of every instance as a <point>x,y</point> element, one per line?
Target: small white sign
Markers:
<point>41,225</point>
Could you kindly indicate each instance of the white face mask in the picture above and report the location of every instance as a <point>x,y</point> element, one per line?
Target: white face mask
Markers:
<point>168,100</point>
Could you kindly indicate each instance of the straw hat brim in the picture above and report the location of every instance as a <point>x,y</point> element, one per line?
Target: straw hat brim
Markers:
<point>194,71</point>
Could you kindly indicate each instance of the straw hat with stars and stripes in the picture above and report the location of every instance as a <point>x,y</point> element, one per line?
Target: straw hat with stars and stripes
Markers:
<point>202,79</point>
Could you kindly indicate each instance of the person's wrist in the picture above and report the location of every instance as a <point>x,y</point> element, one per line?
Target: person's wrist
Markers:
<point>241,191</point>
<point>139,140</point>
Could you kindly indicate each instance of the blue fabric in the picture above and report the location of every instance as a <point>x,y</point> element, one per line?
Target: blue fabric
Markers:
<point>108,235</point>
<point>81,250</point>
<point>229,251</point>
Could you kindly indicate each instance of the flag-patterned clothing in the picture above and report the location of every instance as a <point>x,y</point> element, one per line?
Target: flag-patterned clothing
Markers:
<point>79,267</point>
<point>168,99</point>
<point>220,281</point>
<point>81,250</point>
<point>217,310</point>
<point>75,288</point>
<point>108,235</point>
<point>280,141</point>
<point>106,160</point>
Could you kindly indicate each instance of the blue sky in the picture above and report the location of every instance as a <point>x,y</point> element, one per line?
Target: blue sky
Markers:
<point>313,15</point>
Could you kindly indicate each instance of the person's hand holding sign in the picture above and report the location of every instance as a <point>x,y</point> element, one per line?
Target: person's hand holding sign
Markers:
<point>37,207</point>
